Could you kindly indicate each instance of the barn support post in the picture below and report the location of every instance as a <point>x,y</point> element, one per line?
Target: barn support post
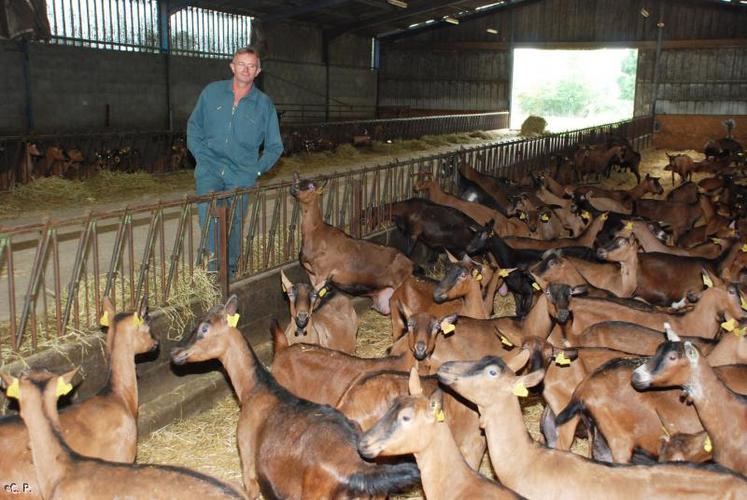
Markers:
<point>164,37</point>
<point>29,108</point>
<point>510,66</point>
<point>657,61</point>
<point>326,39</point>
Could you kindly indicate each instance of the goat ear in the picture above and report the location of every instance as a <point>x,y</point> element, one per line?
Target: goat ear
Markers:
<point>436,405</point>
<point>671,334</point>
<point>285,283</point>
<point>531,379</point>
<point>232,304</point>
<point>517,362</point>
<point>413,383</point>
<point>143,309</point>
<point>691,352</point>
<point>451,257</point>
<point>405,311</point>
<point>446,323</point>
<point>7,380</point>
<point>296,178</point>
<point>579,290</point>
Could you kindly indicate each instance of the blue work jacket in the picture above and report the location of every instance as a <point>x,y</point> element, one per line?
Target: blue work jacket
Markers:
<point>225,141</point>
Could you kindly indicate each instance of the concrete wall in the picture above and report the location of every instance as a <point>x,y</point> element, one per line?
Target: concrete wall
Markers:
<point>72,87</point>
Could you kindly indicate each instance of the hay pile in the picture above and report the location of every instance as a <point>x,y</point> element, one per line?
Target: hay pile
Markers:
<point>51,193</point>
<point>533,125</point>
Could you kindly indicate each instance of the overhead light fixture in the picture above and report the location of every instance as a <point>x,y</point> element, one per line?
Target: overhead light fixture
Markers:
<point>451,20</point>
<point>492,31</point>
<point>645,12</point>
<point>489,5</point>
<point>397,3</point>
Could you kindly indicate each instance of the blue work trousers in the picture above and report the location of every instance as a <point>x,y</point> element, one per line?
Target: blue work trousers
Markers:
<point>206,184</point>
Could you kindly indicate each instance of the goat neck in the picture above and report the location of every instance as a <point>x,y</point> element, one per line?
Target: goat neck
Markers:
<point>51,455</point>
<point>474,306</point>
<point>730,350</point>
<point>239,362</point>
<point>311,215</point>
<point>123,373</point>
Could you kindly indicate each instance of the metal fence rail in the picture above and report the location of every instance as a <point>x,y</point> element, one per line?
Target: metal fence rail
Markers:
<point>54,274</point>
<point>80,155</point>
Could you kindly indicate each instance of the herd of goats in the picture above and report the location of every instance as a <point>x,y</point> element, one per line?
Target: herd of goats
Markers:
<point>630,325</point>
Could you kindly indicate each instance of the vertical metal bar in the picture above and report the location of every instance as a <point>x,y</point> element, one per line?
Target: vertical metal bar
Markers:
<point>33,286</point>
<point>80,257</point>
<point>177,249</point>
<point>162,256</point>
<point>11,291</point>
<point>57,283</point>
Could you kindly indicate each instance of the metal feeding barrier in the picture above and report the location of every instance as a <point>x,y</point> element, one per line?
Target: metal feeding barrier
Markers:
<point>54,274</point>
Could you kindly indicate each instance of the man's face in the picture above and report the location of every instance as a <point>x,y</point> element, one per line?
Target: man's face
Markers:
<point>245,68</point>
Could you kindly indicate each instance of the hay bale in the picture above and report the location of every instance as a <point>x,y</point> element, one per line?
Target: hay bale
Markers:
<point>533,125</point>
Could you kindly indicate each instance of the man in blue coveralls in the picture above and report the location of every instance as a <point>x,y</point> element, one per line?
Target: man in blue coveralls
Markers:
<point>231,120</point>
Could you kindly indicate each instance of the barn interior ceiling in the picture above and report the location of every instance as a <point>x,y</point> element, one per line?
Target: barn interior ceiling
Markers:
<point>375,18</point>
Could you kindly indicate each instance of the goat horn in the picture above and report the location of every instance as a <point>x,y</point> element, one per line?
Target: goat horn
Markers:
<point>671,335</point>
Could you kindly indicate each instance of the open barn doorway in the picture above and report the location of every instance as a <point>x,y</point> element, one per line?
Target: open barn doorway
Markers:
<point>573,89</point>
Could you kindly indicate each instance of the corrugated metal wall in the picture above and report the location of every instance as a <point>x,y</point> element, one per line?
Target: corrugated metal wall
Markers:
<point>444,81</point>
<point>692,80</point>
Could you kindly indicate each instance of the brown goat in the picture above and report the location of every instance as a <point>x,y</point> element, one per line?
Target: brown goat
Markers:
<point>369,397</point>
<point>586,239</point>
<point>682,165</point>
<point>626,419</point>
<point>651,244</point>
<point>290,448</point>
<point>355,266</point>
<point>301,368</point>
<point>103,426</point>
<point>491,185</point>
<point>416,424</point>
<point>492,385</point>
<point>62,473</point>
<point>649,184</point>
<point>682,447</point>
<point>594,161</point>
<point>680,216</point>
<point>702,320</point>
<point>722,412</point>
<point>459,292</point>
<point>317,318</point>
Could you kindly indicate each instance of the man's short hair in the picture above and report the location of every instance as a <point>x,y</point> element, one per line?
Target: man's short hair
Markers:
<point>249,49</point>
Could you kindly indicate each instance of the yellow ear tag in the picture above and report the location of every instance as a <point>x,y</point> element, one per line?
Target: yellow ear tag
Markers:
<point>545,218</point>
<point>14,389</point>
<point>233,319</point>
<point>585,215</point>
<point>522,216</point>
<point>604,216</point>
<point>536,286</point>
<point>561,360</point>
<point>440,415</point>
<point>744,248</point>
<point>503,273</point>
<point>137,319</point>
<point>104,321</point>
<point>707,281</point>
<point>730,325</point>
<point>447,327</point>
<point>506,342</point>
<point>717,241</point>
<point>520,390</point>
<point>740,332</point>
<point>477,275</point>
<point>742,302</point>
<point>63,387</point>
<point>322,292</point>
<point>707,445</point>
<point>629,227</point>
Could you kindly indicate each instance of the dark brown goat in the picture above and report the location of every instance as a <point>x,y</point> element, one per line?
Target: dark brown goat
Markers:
<point>61,473</point>
<point>682,447</point>
<point>680,216</point>
<point>722,412</point>
<point>586,239</point>
<point>356,266</point>
<point>594,161</point>
<point>369,397</point>
<point>289,447</point>
<point>317,318</point>
<point>103,426</point>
